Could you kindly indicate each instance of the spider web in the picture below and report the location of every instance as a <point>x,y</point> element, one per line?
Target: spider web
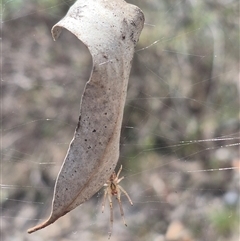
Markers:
<point>180,135</point>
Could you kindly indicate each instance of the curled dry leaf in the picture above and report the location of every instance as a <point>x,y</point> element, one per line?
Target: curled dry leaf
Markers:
<point>110,29</point>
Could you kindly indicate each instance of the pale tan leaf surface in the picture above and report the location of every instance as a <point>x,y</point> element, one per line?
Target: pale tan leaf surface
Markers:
<point>110,30</point>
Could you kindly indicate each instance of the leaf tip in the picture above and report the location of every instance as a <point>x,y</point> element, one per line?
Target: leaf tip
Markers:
<point>41,225</point>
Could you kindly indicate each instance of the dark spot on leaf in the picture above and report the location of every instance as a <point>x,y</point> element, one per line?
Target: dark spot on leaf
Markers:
<point>133,23</point>
<point>78,125</point>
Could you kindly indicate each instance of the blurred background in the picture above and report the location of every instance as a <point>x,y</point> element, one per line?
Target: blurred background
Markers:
<point>180,134</point>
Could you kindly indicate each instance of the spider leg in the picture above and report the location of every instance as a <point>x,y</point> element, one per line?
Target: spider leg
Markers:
<point>120,179</point>
<point>120,206</point>
<point>111,215</point>
<point>104,199</point>
<point>120,169</point>
<point>129,199</point>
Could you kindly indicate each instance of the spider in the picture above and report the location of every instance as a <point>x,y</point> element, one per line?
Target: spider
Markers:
<point>114,189</point>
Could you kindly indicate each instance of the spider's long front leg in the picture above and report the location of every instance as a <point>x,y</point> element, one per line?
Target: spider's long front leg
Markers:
<point>104,199</point>
<point>120,206</point>
<point>120,169</point>
<point>129,199</point>
<point>111,215</point>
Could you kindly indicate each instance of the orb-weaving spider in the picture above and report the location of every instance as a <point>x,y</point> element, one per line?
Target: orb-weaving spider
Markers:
<point>114,189</point>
